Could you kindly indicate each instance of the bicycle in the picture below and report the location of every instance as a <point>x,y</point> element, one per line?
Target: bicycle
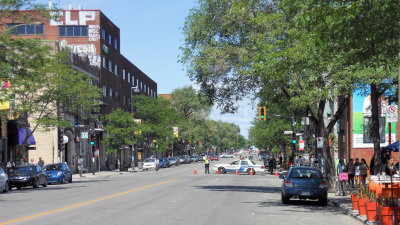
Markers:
<point>342,186</point>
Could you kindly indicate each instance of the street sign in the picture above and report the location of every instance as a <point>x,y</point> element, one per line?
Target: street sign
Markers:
<point>84,135</point>
<point>287,132</point>
<point>301,145</point>
<point>320,142</point>
<point>96,153</point>
<point>391,114</point>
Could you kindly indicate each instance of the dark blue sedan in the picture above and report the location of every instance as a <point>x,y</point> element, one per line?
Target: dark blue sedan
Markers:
<point>58,173</point>
<point>304,182</point>
<point>163,163</point>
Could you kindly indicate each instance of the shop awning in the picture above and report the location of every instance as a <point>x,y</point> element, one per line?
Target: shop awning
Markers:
<point>394,147</point>
<point>22,135</point>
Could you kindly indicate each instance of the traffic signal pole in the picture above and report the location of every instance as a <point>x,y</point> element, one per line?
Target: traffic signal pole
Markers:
<point>293,138</point>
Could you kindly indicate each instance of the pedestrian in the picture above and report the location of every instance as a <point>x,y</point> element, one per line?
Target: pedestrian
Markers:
<point>299,161</point>
<point>340,167</point>
<point>272,165</point>
<point>40,162</point>
<point>350,168</point>
<point>118,164</point>
<point>207,165</point>
<point>108,164</point>
<point>389,168</point>
<point>10,166</point>
<point>363,170</point>
<point>357,171</point>
<point>80,165</point>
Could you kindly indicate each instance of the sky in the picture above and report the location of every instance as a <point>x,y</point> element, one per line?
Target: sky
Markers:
<point>150,37</point>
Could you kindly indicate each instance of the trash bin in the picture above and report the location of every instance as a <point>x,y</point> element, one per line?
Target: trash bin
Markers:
<point>140,165</point>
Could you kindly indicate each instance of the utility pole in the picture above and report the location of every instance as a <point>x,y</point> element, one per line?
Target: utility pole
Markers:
<point>293,139</point>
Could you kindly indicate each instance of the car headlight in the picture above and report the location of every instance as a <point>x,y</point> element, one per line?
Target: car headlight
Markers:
<point>59,173</point>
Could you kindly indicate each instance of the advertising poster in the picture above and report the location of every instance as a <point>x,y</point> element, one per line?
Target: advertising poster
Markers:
<point>362,123</point>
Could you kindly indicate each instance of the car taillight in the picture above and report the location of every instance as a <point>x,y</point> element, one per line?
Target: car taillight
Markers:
<point>323,184</point>
<point>288,183</point>
<point>262,167</point>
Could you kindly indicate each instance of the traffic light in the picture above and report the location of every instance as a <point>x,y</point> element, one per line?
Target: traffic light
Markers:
<point>294,141</point>
<point>262,112</point>
<point>92,141</point>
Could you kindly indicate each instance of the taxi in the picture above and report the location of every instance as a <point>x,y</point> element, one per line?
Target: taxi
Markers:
<point>241,166</point>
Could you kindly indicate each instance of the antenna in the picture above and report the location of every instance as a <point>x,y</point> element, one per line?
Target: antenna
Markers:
<point>50,4</point>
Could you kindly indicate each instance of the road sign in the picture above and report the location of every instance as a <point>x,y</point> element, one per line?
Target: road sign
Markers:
<point>84,135</point>
<point>96,153</point>
<point>391,114</point>
<point>287,132</point>
<point>301,145</point>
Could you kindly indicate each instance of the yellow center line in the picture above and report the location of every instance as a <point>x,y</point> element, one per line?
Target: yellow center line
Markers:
<point>88,202</point>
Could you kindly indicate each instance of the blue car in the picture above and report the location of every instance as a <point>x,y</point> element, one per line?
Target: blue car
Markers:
<point>58,173</point>
<point>304,182</point>
<point>163,163</point>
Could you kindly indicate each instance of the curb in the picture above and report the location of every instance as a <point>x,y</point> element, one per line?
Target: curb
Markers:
<point>349,211</point>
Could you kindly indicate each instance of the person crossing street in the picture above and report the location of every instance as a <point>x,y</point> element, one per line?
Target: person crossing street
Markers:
<point>207,165</point>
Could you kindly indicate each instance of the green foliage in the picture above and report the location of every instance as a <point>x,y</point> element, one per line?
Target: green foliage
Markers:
<point>120,128</point>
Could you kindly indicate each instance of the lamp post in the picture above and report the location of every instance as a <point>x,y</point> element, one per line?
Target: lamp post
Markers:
<point>134,150</point>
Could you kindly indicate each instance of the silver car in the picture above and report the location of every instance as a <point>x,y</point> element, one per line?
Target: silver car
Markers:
<point>4,183</point>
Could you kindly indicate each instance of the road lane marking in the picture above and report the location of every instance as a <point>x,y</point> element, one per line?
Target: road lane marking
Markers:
<point>88,202</point>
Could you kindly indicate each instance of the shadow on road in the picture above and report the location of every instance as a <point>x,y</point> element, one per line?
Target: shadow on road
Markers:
<point>235,188</point>
<point>307,206</point>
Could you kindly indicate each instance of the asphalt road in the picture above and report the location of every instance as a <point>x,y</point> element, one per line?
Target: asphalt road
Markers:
<point>170,196</point>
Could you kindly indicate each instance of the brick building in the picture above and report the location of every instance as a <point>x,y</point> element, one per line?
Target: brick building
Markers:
<point>90,35</point>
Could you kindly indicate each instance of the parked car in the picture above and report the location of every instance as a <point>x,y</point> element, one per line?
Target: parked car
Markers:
<point>28,175</point>
<point>304,182</point>
<point>164,163</point>
<point>181,159</point>
<point>58,173</point>
<point>4,183</point>
<point>150,163</point>
<point>174,161</point>
<point>202,157</point>
<point>214,158</point>
<point>187,159</point>
<point>194,158</point>
<point>242,166</point>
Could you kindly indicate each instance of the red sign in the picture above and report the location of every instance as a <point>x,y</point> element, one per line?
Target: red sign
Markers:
<point>301,145</point>
<point>96,153</point>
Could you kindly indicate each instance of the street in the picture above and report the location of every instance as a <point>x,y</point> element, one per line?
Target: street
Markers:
<point>170,196</point>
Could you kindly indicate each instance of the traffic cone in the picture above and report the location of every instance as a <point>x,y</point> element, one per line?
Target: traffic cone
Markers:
<point>237,172</point>
<point>251,172</point>
<point>217,172</point>
<point>276,173</point>
<point>195,170</point>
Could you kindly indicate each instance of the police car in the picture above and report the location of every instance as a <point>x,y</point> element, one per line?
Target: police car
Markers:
<point>242,166</point>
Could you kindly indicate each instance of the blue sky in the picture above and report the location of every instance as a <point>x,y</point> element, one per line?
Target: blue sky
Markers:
<point>151,34</point>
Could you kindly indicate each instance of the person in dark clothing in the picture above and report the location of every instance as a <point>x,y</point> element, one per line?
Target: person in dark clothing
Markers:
<point>272,165</point>
<point>389,168</point>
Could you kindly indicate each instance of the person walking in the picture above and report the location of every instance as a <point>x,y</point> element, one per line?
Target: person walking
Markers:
<point>108,164</point>
<point>350,168</point>
<point>207,165</point>
<point>357,172</point>
<point>80,165</point>
<point>40,162</point>
<point>299,161</point>
<point>363,171</point>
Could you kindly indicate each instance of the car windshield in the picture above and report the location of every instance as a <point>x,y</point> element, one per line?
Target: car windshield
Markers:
<point>172,158</point>
<point>305,173</point>
<point>53,167</point>
<point>150,160</point>
<point>25,170</point>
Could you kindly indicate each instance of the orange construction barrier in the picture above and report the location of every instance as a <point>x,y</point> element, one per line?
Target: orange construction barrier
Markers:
<point>217,172</point>
<point>195,170</point>
<point>251,172</point>
<point>237,172</point>
<point>276,173</point>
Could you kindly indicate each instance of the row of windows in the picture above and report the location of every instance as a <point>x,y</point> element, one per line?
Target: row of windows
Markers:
<point>110,65</point>
<point>131,79</point>
<point>110,39</point>
<point>24,29</point>
<point>73,31</point>
<point>109,92</point>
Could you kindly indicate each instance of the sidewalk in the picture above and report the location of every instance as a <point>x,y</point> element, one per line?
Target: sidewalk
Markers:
<point>103,174</point>
<point>345,205</point>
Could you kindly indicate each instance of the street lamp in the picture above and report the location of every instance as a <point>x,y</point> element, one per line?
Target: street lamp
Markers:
<point>134,154</point>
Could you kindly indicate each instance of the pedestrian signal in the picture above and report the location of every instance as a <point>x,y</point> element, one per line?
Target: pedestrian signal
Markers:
<point>262,112</point>
<point>294,141</point>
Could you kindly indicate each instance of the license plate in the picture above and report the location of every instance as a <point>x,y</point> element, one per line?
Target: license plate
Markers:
<point>307,193</point>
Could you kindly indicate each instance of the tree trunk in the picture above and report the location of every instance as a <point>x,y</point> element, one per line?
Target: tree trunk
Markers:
<point>375,128</point>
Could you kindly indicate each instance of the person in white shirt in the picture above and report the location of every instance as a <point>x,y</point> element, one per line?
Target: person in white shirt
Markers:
<point>357,172</point>
<point>299,161</point>
<point>340,166</point>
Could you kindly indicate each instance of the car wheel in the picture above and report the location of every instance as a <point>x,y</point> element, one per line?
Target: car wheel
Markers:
<point>63,180</point>
<point>45,184</point>
<point>70,180</point>
<point>9,186</point>
<point>19,187</point>
<point>36,184</point>
<point>6,187</point>
<point>221,170</point>
<point>285,200</point>
<point>323,201</point>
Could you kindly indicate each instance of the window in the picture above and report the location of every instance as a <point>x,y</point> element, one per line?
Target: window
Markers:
<point>110,91</point>
<point>141,85</point>
<point>104,90</point>
<point>116,70</point>
<point>105,62</point>
<point>116,44</point>
<point>137,83</point>
<point>20,29</point>
<point>129,77</point>
<point>110,40</point>
<point>73,31</point>
<point>123,74</point>
<point>244,163</point>
<point>117,95</point>
<point>103,34</point>
<point>105,48</point>
<point>123,100</point>
<point>110,65</point>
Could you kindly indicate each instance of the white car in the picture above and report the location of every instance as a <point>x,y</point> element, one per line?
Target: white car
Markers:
<point>242,166</point>
<point>4,183</point>
<point>150,163</point>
